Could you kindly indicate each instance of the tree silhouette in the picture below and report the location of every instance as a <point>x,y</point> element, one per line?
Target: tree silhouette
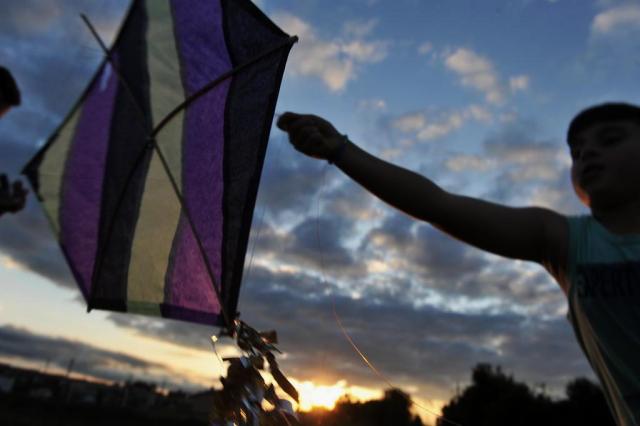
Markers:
<point>495,399</point>
<point>585,404</point>
<point>393,409</point>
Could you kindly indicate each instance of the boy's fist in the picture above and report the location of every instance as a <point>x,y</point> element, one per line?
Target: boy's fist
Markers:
<point>311,135</point>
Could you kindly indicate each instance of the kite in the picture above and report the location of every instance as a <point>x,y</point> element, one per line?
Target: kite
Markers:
<point>150,181</point>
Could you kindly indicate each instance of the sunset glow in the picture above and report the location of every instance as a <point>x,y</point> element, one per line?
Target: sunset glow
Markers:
<point>325,396</point>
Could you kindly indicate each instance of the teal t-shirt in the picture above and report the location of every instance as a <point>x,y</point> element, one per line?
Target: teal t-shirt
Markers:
<point>604,308</point>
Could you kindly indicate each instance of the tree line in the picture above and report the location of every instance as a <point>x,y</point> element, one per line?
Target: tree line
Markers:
<point>492,399</point>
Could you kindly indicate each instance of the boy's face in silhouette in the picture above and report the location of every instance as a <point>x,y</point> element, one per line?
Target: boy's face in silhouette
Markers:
<point>606,164</point>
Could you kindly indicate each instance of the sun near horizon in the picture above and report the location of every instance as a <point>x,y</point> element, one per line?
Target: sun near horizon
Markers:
<point>317,396</point>
<point>314,395</point>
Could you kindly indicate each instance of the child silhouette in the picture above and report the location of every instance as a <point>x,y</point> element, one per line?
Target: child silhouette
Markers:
<point>594,258</point>
<point>12,197</point>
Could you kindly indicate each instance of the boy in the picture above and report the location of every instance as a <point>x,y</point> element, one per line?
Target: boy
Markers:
<point>12,197</point>
<point>595,259</point>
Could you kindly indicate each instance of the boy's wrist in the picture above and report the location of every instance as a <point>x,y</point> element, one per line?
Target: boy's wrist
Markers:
<point>338,152</point>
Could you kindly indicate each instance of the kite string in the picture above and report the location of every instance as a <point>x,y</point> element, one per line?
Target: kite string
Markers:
<point>353,344</point>
<point>260,225</point>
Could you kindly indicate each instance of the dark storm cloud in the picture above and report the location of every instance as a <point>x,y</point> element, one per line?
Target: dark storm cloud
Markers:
<point>422,261</point>
<point>290,182</point>
<point>428,263</point>
<point>397,229</point>
<point>314,242</point>
<point>406,342</point>
<point>89,360</point>
<point>28,240</point>
<point>349,200</point>
<point>292,186</point>
<point>432,257</point>
<point>443,257</point>
<point>412,345</point>
<point>321,238</point>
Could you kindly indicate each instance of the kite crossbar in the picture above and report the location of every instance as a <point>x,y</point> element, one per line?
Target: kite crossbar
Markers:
<point>207,87</point>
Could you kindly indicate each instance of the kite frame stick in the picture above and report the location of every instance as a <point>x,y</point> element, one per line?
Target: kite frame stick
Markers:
<point>207,87</point>
<point>152,141</point>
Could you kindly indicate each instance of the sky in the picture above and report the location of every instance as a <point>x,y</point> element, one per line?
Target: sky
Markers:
<point>476,96</point>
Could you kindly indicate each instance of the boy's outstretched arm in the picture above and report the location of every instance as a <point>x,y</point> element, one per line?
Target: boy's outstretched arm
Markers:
<point>534,234</point>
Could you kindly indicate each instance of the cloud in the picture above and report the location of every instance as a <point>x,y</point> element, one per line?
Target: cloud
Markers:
<point>359,29</point>
<point>613,45</point>
<point>26,346</point>
<point>522,168</point>
<point>375,104</point>
<point>27,241</point>
<point>517,143</point>
<point>417,252</point>
<point>423,305</point>
<point>425,48</point>
<point>194,336</point>
<point>350,201</point>
<point>469,163</point>
<point>617,19</point>
<point>476,72</point>
<point>407,343</point>
<point>337,60</point>
<point>30,16</point>
<point>424,266</point>
<point>479,73</point>
<point>429,125</point>
<point>518,83</point>
<point>535,161</point>
<point>53,19</point>
<point>290,181</point>
<point>313,245</point>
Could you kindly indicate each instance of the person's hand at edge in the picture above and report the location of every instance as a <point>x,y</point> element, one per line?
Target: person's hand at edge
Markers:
<point>312,135</point>
<point>12,197</point>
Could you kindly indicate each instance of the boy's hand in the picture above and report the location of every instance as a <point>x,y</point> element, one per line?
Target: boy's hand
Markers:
<point>311,135</point>
<point>12,198</point>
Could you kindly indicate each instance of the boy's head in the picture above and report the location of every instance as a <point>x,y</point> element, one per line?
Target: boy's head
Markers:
<point>605,150</point>
<point>9,92</point>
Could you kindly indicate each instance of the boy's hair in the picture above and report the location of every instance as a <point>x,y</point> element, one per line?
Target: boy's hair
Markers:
<point>9,92</point>
<point>602,113</point>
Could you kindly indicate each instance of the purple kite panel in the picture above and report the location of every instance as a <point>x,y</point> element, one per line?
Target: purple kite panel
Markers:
<point>203,57</point>
<point>83,176</point>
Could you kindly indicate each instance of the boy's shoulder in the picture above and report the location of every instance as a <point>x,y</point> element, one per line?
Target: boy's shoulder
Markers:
<point>593,247</point>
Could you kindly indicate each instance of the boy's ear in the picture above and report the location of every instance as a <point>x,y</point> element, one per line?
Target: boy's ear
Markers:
<point>582,195</point>
<point>4,109</point>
